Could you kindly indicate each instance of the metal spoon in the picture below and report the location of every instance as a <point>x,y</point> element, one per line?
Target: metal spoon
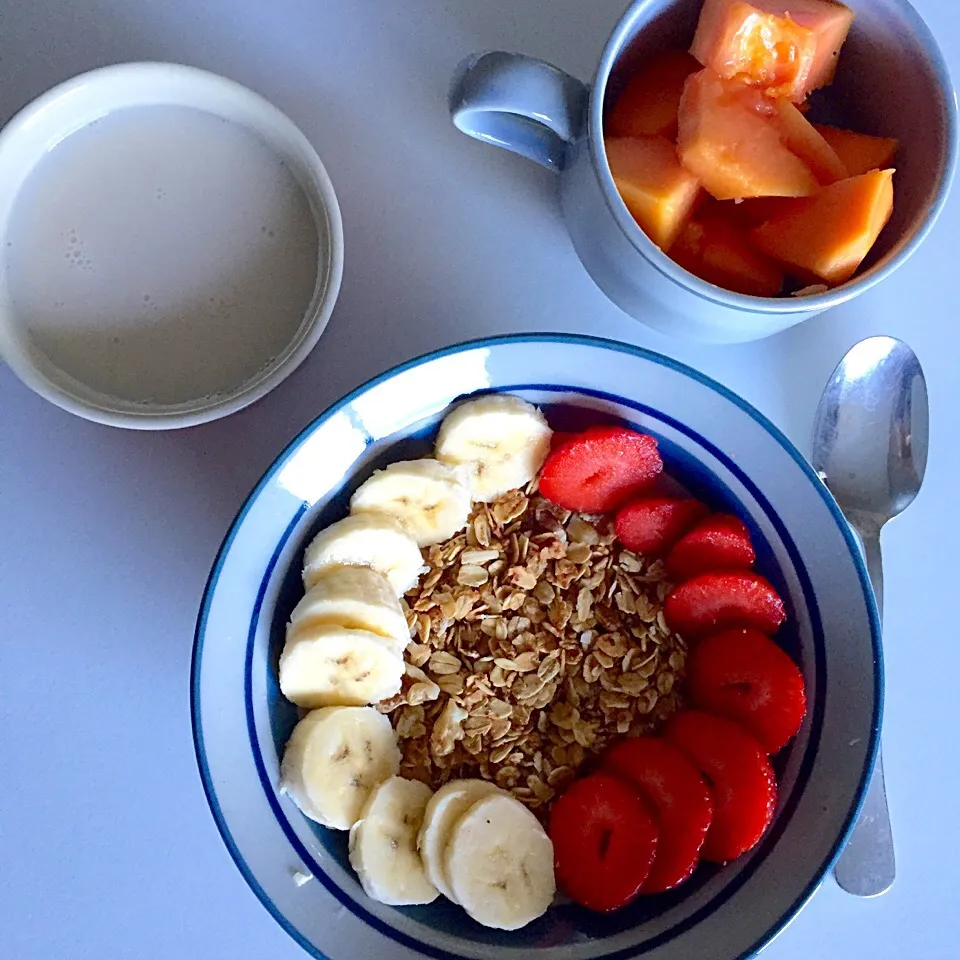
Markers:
<point>870,448</point>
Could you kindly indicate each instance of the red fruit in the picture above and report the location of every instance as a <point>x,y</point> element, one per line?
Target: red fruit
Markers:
<point>740,777</point>
<point>721,542</point>
<point>718,601</point>
<point>744,676</point>
<point>681,799</point>
<point>601,469</point>
<point>653,525</point>
<point>604,841</point>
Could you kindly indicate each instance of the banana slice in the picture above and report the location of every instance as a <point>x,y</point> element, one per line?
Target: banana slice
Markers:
<point>501,439</point>
<point>430,498</point>
<point>366,540</point>
<point>354,597</point>
<point>500,864</point>
<point>445,808</point>
<point>329,666</point>
<point>333,760</point>
<point>383,844</point>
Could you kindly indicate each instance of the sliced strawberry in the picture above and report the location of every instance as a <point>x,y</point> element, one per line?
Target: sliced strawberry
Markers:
<point>653,525</point>
<point>601,469</point>
<point>740,776</point>
<point>744,676</point>
<point>604,840</point>
<point>721,542</point>
<point>681,799</point>
<point>718,601</point>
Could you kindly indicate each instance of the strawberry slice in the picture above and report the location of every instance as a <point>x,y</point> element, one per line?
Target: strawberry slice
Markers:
<point>604,841</point>
<point>744,676</point>
<point>653,525</point>
<point>718,601</point>
<point>721,542</point>
<point>681,799</point>
<point>740,777</point>
<point>600,469</point>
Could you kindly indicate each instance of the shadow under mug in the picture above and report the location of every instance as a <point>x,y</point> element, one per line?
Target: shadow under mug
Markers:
<point>891,80</point>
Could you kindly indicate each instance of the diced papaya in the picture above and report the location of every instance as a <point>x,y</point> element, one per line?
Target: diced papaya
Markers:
<point>740,39</point>
<point>831,22</point>
<point>801,137</point>
<point>687,249</point>
<point>657,190</point>
<point>753,212</point>
<point>859,152</point>
<point>786,47</point>
<point>720,253</point>
<point>730,139</point>
<point>829,234</point>
<point>649,102</point>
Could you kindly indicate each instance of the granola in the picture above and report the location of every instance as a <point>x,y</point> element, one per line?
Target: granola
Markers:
<point>537,640</point>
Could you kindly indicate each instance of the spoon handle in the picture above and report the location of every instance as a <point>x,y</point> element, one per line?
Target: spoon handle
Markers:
<point>867,867</point>
<point>871,553</point>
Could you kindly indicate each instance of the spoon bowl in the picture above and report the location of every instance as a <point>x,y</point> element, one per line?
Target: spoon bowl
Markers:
<point>871,430</point>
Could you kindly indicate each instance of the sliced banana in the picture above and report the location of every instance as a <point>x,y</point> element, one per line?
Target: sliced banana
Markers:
<point>334,758</point>
<point>500,864</point>
<point>383,844</point>
<point>445,808</point>
<point>429,498</point>
<point>366,540</point>
<point>501,439</point>
<point>323,665</point>
<point>354,597</point>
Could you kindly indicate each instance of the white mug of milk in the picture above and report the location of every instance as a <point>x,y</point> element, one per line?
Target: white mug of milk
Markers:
<point>171,246</point>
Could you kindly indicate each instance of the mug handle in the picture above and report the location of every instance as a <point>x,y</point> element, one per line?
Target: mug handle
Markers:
<point>519,103</point>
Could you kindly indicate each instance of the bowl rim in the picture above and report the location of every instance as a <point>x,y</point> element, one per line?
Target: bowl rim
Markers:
<point>542,338</point>
<point>189,84</point>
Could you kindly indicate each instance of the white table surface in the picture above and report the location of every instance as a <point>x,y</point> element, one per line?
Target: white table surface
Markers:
<point>107,848</point>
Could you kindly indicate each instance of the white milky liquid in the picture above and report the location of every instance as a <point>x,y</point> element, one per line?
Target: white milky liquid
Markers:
<point>161,254</point>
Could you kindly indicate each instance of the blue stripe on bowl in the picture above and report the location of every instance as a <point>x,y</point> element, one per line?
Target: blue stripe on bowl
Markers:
<point>200,748</point>
<point>805,585</point>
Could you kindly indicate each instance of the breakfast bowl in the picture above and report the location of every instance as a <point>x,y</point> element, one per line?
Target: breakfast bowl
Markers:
<point>721,451</point>
<point>891,80</point>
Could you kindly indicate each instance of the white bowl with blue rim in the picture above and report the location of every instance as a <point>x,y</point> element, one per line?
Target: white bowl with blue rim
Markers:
<point>725,453</point>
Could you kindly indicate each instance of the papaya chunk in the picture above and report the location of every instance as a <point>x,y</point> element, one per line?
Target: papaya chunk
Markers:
<point>740,39</point>
<point>729,137</point>
<point>658,191</point>
<point>720,253</point>
<point>649,103</point>
<point>858,152</point>
<point>801,137</point>
<point>751,213</point>
<point>786,47</point>
<point>829,234</point>
<point>831,22</point>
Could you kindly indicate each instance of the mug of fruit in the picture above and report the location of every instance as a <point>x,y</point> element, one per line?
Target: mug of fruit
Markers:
<point>737,165</point>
